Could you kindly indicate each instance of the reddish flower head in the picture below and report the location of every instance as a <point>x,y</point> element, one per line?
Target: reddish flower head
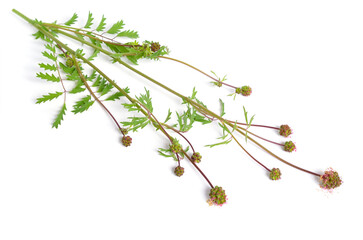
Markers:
<point>330,179</point>
<point>275,174</point>
<point>126,141</point>
<point>285,130</point>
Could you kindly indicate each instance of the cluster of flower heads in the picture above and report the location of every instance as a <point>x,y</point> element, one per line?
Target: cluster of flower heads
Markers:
<point>217,196</point>
<point>330,179</point>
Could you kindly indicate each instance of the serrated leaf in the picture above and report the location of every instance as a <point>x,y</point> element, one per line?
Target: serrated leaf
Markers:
<point>49,55</point>
<point>101,25</point>
<point>59,117</point>
<point>128,34</point>
<point>82,105</point>
<point>72,20</point>
<point>89,20</point>
<point>145,99</point>
<point>117,95</point>
<point>116,27</point>
<point>48,67</point>
<point>48,77</point>
<point>78,88</point>
<point>48,97</point>
<point>50,48</point>
<point>168,117</point>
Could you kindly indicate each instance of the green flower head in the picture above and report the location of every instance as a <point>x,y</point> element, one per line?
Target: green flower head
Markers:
<point>179,171</point>
<point>275,174</point>
<point>289,146</point>
<point>217,196</point>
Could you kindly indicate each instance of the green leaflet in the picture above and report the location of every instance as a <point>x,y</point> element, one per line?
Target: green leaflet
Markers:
<point>220,143</point>
<point>59,117</point>
<point>222,108</point>
<point>89,21</point>
<point>72,20</point>
<point>248,122</point>
<point>116,27</point>
<point>48,97</point>
<point>129,34</point>
<point>49,55</point>
<point>117,95</point>
<point>135,123</point>
<point>48,77</point>
<point>48,67</point>
<point>101,25</point>
<point>82,105</point>
<point>145,99</point>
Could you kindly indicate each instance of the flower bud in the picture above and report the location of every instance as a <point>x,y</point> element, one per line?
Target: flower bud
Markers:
<point>69,62</point>
<point>196,157</point>
<point>289,146</point>
<point>275,174</point>
<point>179,171</point>
<point>126,141</point>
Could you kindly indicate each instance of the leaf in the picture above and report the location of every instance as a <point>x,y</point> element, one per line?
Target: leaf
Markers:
<point>49,55</point>
<point>117,95</point>
<point>116,27</point>
<point>136,123</point>
<point>48,77</point>
<point>48,97</point>
<point>222,108</point>
<point>83,105</point>
<point>220,143</point>
<point>72,20</point>
<point>128,34</point>
<point>168,117</point>
<point>59,117</point>
<point>89,20</point>
<point>101,25</point>
<point>48,67</point>
<point>50,48</point>
<point>78,88</point>
<point>145,99</point>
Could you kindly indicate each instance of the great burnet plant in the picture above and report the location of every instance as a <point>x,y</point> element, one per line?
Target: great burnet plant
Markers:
<point>66,64</point>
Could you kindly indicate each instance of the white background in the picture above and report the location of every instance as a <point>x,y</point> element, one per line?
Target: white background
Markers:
<point>303,60</point>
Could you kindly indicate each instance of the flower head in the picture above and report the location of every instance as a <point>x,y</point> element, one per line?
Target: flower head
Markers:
<point>217,196</point>
<point>179,171</point>
<point>289,146</point>
<point>246,90</point>
<point>275,174</point>
<point>196,157</point>
<point>175,147</point>
<point>126,141</point>
<point>69,62</point>
<point>285,130</point>
<point>330,179</point>
<point>155,46</point>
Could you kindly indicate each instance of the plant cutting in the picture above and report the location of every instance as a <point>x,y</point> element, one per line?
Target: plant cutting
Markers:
<point>76,66</point>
